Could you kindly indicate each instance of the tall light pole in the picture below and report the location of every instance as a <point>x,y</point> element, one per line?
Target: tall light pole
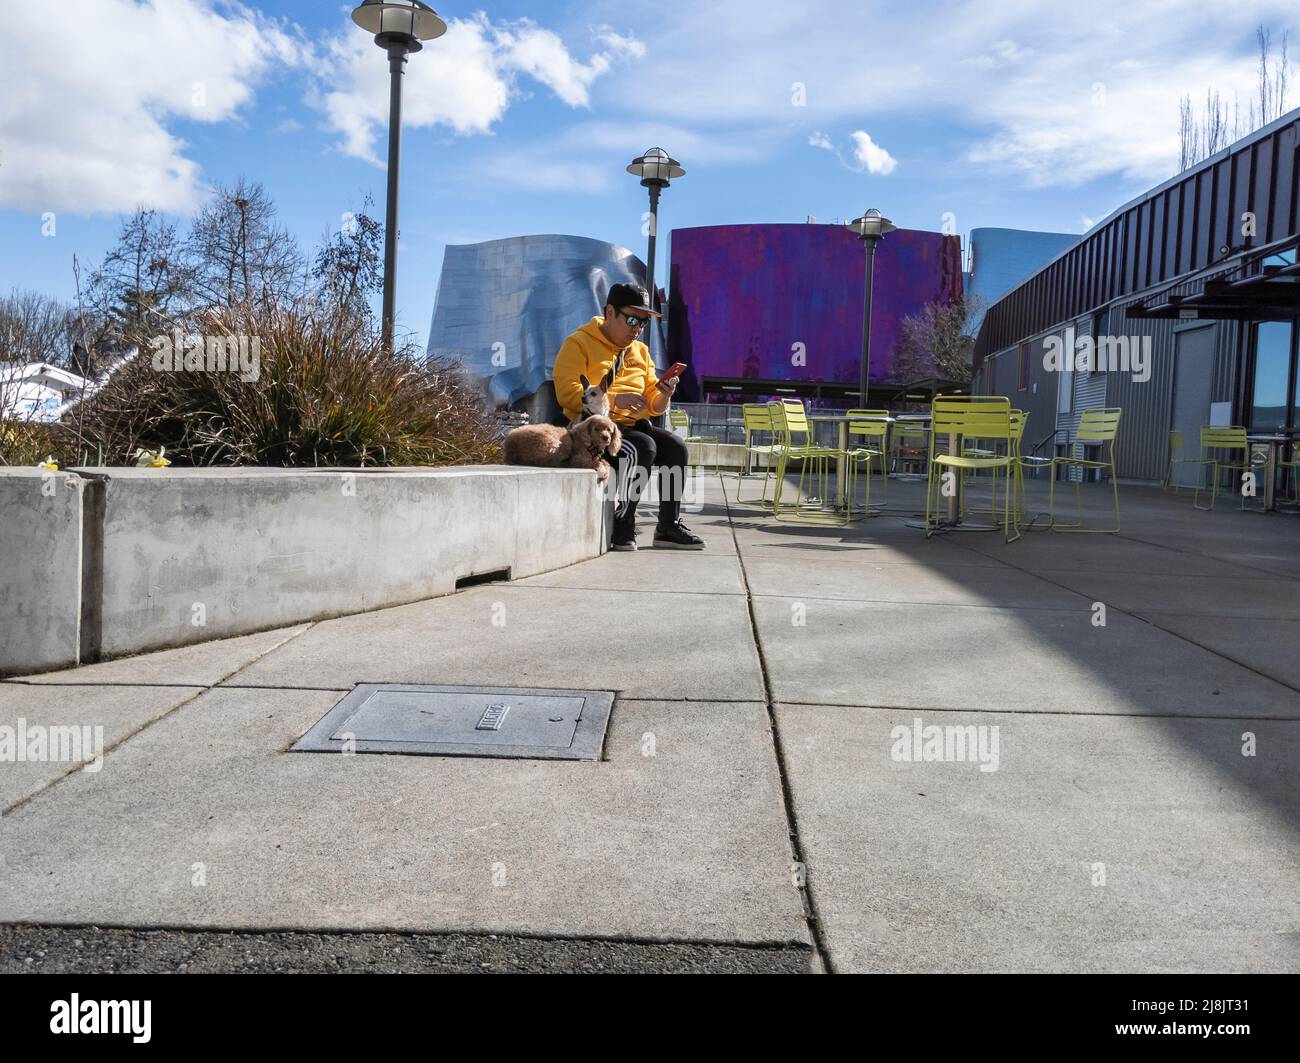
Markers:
<point>872,227</point>
<point>655,169</point>
<point>400,27</point>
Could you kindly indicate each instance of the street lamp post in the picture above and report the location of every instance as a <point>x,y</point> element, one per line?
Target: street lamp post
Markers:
<point>400,27</point>
<point>655,169</point>
<point>872,227</point>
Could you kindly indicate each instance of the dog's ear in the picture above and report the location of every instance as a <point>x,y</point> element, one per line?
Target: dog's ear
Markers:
<point>584,382</point>
<point>606,380</point>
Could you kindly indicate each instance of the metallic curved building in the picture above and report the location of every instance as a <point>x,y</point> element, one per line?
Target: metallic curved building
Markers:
<point>504,307</point>
<point>1002,258</point>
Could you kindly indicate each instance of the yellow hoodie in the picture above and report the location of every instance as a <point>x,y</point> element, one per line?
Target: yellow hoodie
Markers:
<point>588,353</point>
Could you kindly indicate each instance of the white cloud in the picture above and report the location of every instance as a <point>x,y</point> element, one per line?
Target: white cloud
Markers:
<point>868,156</point>
<point>83,119</point>
<point>539,170</point>
<point>619,46</point>
<point>872,157</point>
<point>1017,87</point>
<point>591,160</point>
<point>1003,53</point>
<point>465,80</point>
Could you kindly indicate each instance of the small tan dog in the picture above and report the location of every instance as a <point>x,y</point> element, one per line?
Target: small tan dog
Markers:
<point>595,399</point>
<point>583,446</point>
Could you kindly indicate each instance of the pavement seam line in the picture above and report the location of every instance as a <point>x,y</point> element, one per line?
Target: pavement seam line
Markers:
<point>1035,712</point>
<point>120,742</point>
<point>922,605</point>
<point>1266,573</point>
<point>820,950</point>
<point>198,693</point>
<point>1151,623</point>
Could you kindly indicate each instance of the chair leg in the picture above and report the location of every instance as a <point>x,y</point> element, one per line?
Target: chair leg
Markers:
<point>1114,485</point>
<point>1012,514</point>
<point>781,464</point>
<point>747,469</point>
<point>1214,488</point>
<point>929,492</point>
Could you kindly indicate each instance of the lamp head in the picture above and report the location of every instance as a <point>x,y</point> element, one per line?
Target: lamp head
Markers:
<point>655,168</point>
<point>872,225</point>
<point>405,22</point>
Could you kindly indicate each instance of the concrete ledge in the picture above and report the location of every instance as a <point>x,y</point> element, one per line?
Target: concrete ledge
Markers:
<point>177,556</point>
<point>716,455</point>
<point>40,569</point>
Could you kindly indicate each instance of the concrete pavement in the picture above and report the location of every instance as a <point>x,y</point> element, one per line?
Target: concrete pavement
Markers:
<point>758,804</point>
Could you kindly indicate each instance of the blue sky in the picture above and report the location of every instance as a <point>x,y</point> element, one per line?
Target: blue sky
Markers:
<point>521,119</point>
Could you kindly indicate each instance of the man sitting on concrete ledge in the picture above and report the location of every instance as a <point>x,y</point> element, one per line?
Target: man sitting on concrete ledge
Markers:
<point>610,344</point>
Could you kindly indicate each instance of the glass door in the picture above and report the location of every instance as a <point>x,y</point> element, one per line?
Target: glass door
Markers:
<point>1273,387</point>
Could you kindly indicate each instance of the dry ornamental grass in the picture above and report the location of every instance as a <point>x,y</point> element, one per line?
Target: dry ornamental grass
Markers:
<point>324,392</point>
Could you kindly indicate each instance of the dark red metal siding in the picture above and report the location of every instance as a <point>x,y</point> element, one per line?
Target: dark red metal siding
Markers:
<point>1240,196</point>
<point>1204,220</point>
<point>1172,232</point>
<point>1222,207</point>
<point>1261,200</point>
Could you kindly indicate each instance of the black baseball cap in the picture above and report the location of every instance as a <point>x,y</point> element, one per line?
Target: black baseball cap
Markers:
<point>630,297</point>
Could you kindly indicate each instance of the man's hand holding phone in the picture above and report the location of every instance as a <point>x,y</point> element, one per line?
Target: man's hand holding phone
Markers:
<point>671,378</point>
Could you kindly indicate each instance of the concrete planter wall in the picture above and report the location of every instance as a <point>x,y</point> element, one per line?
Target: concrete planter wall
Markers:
<point>41,526</point>
<point>119,561</point>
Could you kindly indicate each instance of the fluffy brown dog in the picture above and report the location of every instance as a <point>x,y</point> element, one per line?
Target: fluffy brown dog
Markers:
<point>584,446</point>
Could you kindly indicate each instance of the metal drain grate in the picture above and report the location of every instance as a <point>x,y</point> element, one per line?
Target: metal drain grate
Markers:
<point>464,722</point>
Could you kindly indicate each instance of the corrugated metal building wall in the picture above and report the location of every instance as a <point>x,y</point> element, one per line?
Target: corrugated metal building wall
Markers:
<point>1142,449</point>
<point>1171,239</point>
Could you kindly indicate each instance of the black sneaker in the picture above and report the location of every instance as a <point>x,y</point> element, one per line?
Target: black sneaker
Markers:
<point>677,537</point>
<point>624,540</point>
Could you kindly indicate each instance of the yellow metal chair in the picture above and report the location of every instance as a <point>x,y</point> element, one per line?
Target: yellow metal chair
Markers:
<point>871,427</point>
<point>1294,475</point>
<point>1175,446</point>
<point>1018,420</point>
<point>794,442</point>
<point>1231,438</point>
<point>680,419</point>
<point>911,442</point>
<point>757,417</point>
<point>1097,427</point>
<point>977,417</point>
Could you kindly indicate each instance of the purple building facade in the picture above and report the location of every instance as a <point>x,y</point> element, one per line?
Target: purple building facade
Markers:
<point>783,303</point>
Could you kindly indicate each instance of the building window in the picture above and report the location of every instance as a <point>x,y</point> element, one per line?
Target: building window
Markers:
<point>1022,371</point>
<point>1272,404</point>
<point>1100,327</point>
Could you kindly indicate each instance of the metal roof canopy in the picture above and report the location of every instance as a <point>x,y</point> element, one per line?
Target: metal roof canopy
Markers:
<point>1252,290</point>
<point>459,721</point>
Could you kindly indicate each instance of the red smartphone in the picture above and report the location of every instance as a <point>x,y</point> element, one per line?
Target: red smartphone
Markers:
<point>673,371</point>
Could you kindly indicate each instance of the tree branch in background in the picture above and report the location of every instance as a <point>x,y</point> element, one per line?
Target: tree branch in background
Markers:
<point>1218,125</point>
<point>937,342</point>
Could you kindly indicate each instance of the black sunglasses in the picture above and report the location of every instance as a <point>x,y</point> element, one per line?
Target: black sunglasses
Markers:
<point>636,322</point>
